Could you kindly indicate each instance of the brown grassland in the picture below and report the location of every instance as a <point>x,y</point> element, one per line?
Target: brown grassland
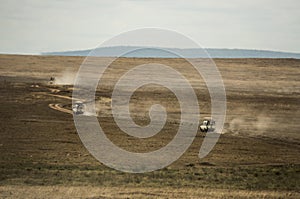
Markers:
<point>257,155</point>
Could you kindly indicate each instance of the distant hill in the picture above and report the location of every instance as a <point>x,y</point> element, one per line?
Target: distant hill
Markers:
<point>188,53</point>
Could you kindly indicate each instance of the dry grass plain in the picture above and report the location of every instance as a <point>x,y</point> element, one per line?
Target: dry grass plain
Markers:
<point>257,156</point>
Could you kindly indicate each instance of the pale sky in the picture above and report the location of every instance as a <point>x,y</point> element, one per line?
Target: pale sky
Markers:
<point>35,26</point>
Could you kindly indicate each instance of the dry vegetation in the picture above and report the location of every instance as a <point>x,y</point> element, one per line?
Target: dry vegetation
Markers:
<point>133,192</point>
<point>256,157</point>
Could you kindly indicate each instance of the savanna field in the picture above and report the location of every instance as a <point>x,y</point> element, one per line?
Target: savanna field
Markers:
<point>257,155</point>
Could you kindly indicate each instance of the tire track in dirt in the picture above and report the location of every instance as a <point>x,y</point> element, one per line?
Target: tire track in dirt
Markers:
<point>59,108</point>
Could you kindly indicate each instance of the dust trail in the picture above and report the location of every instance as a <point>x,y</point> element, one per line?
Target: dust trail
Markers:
<point>236,125</point>
<point>263,122</point>
<point>254,125</point>
<point>67,77</point>
<point>103,106</point>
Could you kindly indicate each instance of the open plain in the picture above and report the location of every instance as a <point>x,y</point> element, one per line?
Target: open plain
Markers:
<point>257,155</point>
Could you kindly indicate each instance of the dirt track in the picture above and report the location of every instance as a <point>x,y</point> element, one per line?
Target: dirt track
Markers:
<point>59,108</point>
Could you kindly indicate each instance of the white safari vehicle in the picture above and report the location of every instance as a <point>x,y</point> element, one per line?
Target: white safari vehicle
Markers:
<point>208,125</point>
<point>78,108</point>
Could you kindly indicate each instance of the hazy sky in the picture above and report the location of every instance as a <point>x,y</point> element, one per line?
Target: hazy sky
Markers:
<point>34,26</point>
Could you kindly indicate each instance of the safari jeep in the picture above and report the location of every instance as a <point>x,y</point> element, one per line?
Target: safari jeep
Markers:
<point>208,125</point>
<point>78,108</point>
